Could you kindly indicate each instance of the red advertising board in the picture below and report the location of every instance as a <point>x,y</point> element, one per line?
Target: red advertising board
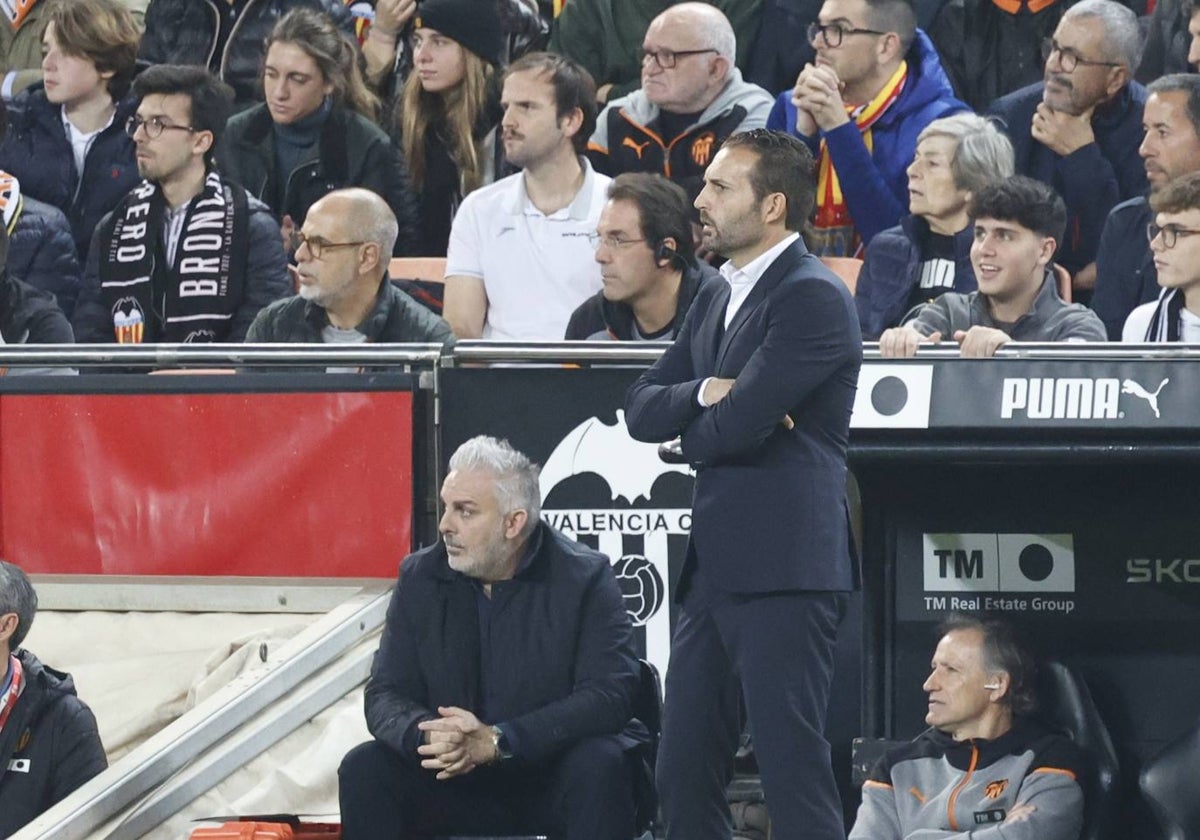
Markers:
<point>294,484</point>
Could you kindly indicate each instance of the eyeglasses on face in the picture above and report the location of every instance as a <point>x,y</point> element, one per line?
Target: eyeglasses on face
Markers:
<point>1170,233</point>
<point>666,59</point>
<point>833,33</point>
<point>1069,59</point>
<point>154,127</point>
<point>317,245</point>
<point>611,242</point>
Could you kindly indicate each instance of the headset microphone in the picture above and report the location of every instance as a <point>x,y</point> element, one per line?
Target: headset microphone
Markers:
<point>992,686</point>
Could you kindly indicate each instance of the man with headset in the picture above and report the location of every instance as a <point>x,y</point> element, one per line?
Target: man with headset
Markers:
<point>651,275</point>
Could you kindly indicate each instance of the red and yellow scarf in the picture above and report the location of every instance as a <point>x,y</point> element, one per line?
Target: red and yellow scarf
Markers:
<point>834,226</point>
<point>16,683</point>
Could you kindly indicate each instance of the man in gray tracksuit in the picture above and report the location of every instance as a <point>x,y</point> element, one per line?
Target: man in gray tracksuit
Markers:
<point>982,770</point>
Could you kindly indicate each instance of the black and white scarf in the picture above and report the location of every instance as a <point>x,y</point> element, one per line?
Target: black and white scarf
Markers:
<point>1164,323</point>
<point>194,299</point>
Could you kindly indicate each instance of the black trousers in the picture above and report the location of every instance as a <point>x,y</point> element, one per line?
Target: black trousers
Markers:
<point>585,793</point>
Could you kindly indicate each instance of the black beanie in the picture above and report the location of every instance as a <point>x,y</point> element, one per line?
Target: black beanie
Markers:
<point>473,23</point>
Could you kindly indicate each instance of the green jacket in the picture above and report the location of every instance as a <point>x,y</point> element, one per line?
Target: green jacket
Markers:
<point>605,36</point>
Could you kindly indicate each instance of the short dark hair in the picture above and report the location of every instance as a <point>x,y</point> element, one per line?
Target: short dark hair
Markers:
<point>1178,195</point>
<point>897,16</point>
<point>103,32</point>
<point>17,596</point>
<point>211,99</point>
<point>573,88</point>
<point>784,165</point>
<point>1028,202</point>
<point>1003,650</point>
<point>1188,83</point>
<point>663,207</point>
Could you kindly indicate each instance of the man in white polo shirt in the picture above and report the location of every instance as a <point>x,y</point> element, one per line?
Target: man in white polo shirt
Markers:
<point>520,258</point>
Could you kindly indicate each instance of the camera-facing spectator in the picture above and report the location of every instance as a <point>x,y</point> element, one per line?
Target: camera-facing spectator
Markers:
<point>315,132</point>
<point>929,252</point>
<point>66,141</point>
<point>1018,224</point>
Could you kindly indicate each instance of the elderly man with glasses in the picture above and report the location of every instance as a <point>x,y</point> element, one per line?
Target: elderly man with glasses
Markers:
<point>876,84</point>
<point>185,256</point>
<point>1078,130</point>
<point>692,98</point>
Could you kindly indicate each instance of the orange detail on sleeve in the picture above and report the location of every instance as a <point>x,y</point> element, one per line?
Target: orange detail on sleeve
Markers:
<point>1058,770</point>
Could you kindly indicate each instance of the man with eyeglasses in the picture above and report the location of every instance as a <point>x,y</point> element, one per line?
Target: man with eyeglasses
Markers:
<point>651,274</point>
<point>692,98</point>
<point>1078,130</point>
<point>1126,272</point>
<point>1174,238</point>
<point>345,295</point>
<point>874,87</point>
<point>185,256</point>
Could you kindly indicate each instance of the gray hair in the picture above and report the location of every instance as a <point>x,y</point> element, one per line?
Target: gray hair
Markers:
<point>17,596</point>
<point>371,218</point>
<point>713,27</point>
<point>516,477</point>
<point>983,153</point>
<point>1122,38</point>
<point>1185,83</point>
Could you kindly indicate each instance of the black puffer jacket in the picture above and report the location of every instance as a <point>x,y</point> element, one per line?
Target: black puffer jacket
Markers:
<point>185,32</point>
<point>30,316</point>
<point>42,253</point>
<point>52,737</point>
<point>352,152</point>
<point>39,154</point>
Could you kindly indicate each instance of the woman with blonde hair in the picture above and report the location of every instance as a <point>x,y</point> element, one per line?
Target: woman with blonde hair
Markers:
<point>315,131</point>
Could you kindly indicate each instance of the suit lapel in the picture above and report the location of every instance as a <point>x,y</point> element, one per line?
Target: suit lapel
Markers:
<point>766,283</point>
<point>712,328</point>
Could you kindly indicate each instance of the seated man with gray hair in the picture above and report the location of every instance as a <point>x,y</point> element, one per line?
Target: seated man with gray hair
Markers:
<point>501,695</point>
<point>984,768</point>
<point>342,257</point>
<point>929,252</point>
<point>49,744</point>
<point>1079,129</point>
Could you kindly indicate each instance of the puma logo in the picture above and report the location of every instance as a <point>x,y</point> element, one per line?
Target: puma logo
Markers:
<point>637,147</point>
<point>1131,387</point>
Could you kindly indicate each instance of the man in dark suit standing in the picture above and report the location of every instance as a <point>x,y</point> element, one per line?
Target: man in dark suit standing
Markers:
<point>759,384</point>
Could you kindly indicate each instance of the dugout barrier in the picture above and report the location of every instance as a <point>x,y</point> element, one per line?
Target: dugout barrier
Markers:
<point>1050,484</point>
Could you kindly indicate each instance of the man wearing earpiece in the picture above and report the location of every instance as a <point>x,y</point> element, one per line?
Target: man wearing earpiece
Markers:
<point>651,275</point>
<point>983,770</point>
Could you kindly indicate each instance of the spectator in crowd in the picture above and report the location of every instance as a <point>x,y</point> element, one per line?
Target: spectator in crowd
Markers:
<point>448,122</point>
<point>605,36</point>
<point>186,256</point>
<point>66,142</point>
<point>40,250</point>
<point>315,132</point>
<point>520,259</point>
<point>651,275</point>
<point>1125,268</point>
<point>692,98</point>
<point>345,296</point>
<point>523,728</point>
<point>1018,223</point>
<point>21,41</point>
<point>876,84</point>
<point>981,692</point>
<point>1172,40</point>
<point>1175,242</point>
<point>1079,129</point>
<point>28,315</point>
<point>49,744</point>
<point>389,51</point>
<point>759,385</point>
<point>229,39</point>
<point>929,252</point>
<point>992,47</point>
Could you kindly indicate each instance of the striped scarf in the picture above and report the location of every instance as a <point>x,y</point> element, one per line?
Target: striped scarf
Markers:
<point>10,201</point>
<point>1164,323</point>
<point>834,234</point>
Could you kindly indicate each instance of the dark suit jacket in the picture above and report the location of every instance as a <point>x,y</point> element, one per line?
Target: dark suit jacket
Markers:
<point>769,510</point>
<point>559,664</point>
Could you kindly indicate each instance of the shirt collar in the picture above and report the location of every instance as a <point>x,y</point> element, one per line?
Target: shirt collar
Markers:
<point>579,209</point>
<point>751,271</point>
